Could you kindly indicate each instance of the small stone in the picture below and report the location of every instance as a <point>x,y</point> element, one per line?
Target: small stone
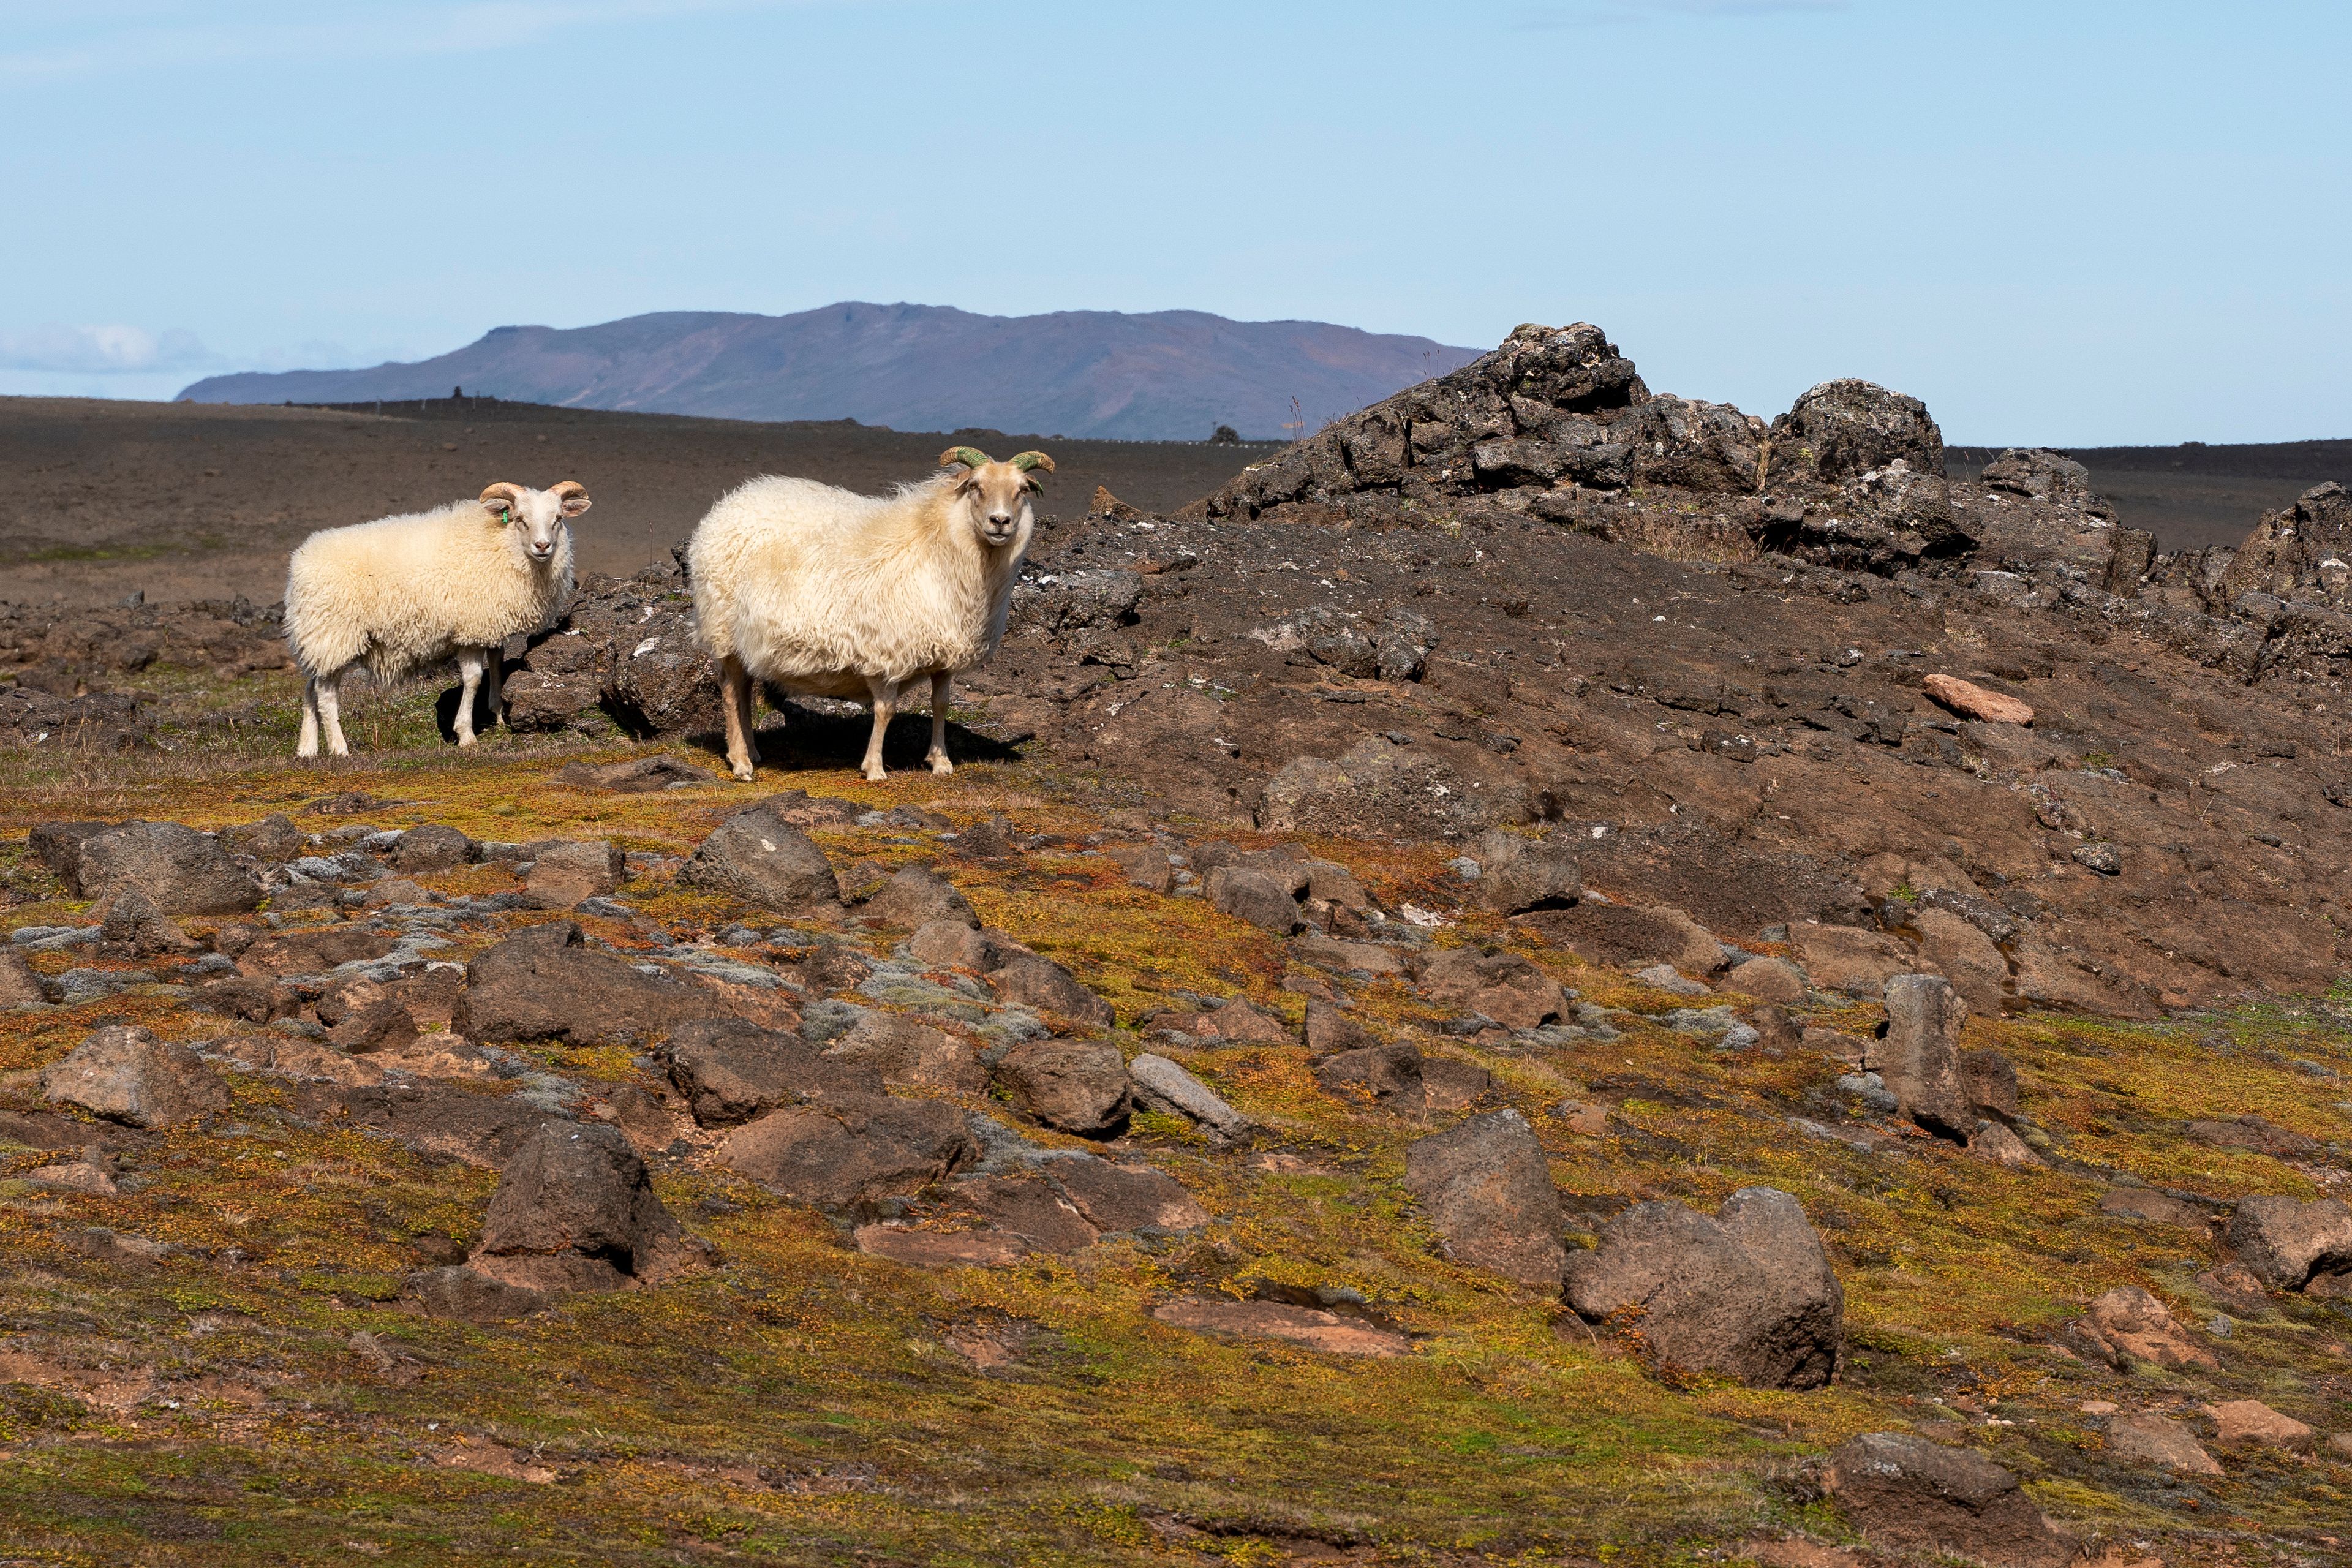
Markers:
<point>2237,1421</point>
<point>1375,1074</point>
<point>1665,977</point>
<point>2287,1243</point>
<point>1486,1188</point>
<point>1912,1495</point>
<point>1517,874</point>
<point>1970,700</point>
<point>1769,980</point>
<point>1919,1059</point>
<point>127,1074</point>
<point>2161,1442</point>
<point>2128,1324</point>
<point>1253,896</point>
<point>2098,857</point>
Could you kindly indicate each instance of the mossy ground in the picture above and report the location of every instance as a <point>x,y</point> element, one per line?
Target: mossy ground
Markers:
<point>259,1396</point>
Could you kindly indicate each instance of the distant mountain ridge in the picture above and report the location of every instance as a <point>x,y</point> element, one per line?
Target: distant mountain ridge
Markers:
<point>1159,376</point>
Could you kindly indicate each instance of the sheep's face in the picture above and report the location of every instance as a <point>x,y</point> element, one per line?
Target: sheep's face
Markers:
<point>995,495</point>
<point>535,519</point>
<point>996,500</point>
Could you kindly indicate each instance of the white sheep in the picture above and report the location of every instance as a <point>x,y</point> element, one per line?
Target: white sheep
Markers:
<point>403,593</point>
<point>835,595</point>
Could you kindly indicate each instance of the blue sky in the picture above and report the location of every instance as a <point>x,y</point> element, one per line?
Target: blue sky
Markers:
<point>2071,223</point>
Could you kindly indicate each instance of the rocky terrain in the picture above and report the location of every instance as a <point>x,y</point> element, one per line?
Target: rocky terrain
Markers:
<point>1553,974</point>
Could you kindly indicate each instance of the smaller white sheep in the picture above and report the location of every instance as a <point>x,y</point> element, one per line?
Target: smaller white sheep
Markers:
<point>821,591</point>
<point>404,593</point>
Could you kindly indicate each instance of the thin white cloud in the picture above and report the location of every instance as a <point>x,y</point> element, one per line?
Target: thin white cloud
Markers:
<point>129,37</point>
<point>112,349</point>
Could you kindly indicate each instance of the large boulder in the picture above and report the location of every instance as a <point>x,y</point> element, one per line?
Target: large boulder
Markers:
<point>544,983</point>
<point>1842,429</point>
<point>1032,980</point>
<point>2290,1244</point>
<point>1253,895</point>
<point>1500,985</point>
<point>2298,554</point>
<point>915,897</point>
<point>574,1206</point>
<point>2043,475</point>
<point>564,872</point>
<point>1078,1086</point>
<point>57,845</point>
<point>1486,1187</point>
<point>907,1054</point>
<point>127,1074</point>
<point>185,872</point>
<point>1911,1495</point>
<point>660,682</point>
<point>432,847</point>
<point>1919,1060</point>
<point>1162,1085</point>
<point>761,858</point>
<point>1517,874</point>
<point>1748,1294</point>
<point>730,1071</point>
<point>853,1154</point>
<point>1384,1074</point>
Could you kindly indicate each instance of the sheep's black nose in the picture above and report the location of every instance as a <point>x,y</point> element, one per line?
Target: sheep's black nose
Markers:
<point>1001,518</point>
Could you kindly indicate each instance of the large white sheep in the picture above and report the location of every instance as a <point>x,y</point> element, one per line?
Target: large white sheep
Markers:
<point>835,595</point>
<point>403,593</point>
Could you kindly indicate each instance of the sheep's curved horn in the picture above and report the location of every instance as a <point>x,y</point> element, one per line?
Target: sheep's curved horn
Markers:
<point>1028,460</point>
<point>970,457</point>
<point>503,493</point>
<point>568,487</point>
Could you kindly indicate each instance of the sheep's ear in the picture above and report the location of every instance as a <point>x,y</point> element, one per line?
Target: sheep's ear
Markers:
<point>502,498</point>
<point>573,495</point>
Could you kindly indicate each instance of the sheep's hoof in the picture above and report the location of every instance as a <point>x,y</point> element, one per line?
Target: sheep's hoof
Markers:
<point>875,776</point>
<point>464,739</point>
<point>941,765</point>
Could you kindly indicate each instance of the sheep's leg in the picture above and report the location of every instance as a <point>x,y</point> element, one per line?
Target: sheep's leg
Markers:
<point>735,703</point>
<point>469,681</point>
<point>938,756</point>
<point>886,705</point>
<point>494,677</point>
<point>308,745</point>
<point>329,687</point>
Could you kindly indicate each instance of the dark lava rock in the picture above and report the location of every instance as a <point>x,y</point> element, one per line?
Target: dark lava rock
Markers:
<point>1034,980</point>
<point>1517,874</point>
<point>578,1188</point>
<point>853,1152</point>
<point>434,846</point>
<point>1908,1494</point>
<point>183,872</point>
<point>135,928</point>
<point>1989,1080</point>
<point>637,775</point>
<point>760,858</point>
<point>544,984</point>
<point>1849,426</point>
<point>2290,553</point>
<point>1115,1198</point>
<point>1748,1294</point>
<point>1377,1074</point>
<point>730,1071</point>
<point>1486,1188</point>
<point>1330,1031</point>
<point>1253,896</point>
<point>1502,986</point>
<point>313,949</point>
<point>911,1055</point>
<point>127,1074</point>
<point>273,838</point>
<point>58,846</point>
<point>915,897</point>
<point>661,682</point>
<point>1078,1086</point>
<point>2290,1244</point>
<point>564,872</point>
